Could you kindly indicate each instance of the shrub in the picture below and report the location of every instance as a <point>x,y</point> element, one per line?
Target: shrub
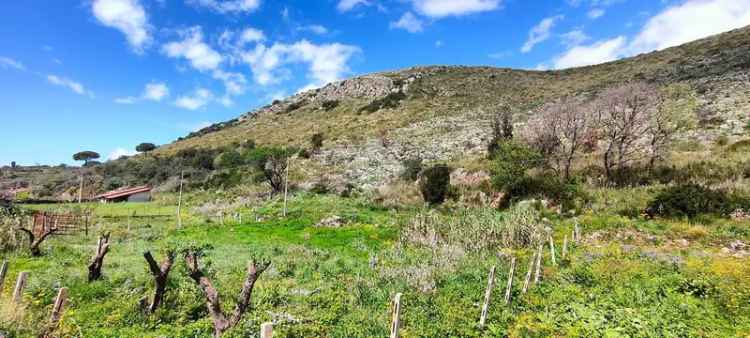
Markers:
<point>329,105</point>
<point>316,142</point>
<point>294,106</point>
<point>511,162</point>
<point>412,168</point>
<point>390,101</point>
<point>435,184</point>
<point>722,140</point>
<point>689,200</point>
<point>743,145</point>
<point>228,159</point>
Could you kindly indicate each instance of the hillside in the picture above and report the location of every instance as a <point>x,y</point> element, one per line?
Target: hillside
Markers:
<point>444,112</point>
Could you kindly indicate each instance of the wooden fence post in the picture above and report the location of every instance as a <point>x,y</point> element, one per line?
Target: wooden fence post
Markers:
<point>3,271</point>
<point>20,285</point>
<point>510,280</point>
<point>179,202</point>
<point>538,271</point>
<point>286,185</point>
<point>266,330</point>
<point>487,296</point>
<point>396,321</point>
<point>526,281</point>
<point>565,247</point>
<point>552,250</point>
<point>59,307</point>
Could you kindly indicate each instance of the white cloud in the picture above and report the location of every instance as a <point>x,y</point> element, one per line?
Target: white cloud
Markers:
<point>250,34</point>
<point>317,29</point>
<point>201,56</point>
<point>76,87</point>
<point>574,38</point>
<point>196,100</point>
<point>127,16</point>
<point>228,6</point>
<point>599,52</point>
<point>347,5</point>
<point>443,8</point>
<point>234,83</point>
<point>326,62</point>
<point>540,32</point>
<point>595,13</point>
<point>676,25</point>
<point>120,152</point>
<point>8,63</point>
<point>690,21</point>
<point>408,22</point>
<point>153,91</point>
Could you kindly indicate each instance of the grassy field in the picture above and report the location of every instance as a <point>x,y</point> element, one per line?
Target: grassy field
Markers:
<point>626,278</point>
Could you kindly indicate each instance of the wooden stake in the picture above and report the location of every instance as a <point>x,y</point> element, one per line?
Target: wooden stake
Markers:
<point>565,247</point>
<point>396,322</point>
<point>510,280</point>
<point>538,272</point>
<point>487,296</point>
<point>286,185</point>
<point>3,271</point>
<point>20,285</point>
<point>80,190</point>
<point>266,330</point>
<point>527,280</point>
<point>179,202</point>
<point>552,250</point>
<point>59,307</point>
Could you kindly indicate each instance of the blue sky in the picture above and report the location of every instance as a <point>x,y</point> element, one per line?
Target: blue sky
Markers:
<point>105,75</point>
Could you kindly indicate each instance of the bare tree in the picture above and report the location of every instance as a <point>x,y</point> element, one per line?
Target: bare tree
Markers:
<point>560,131</point>
<point>35,241</point>
<point>502,127</point>
<point>675,113</point>
<point>223,322</point>
<point>160,274</point>
<point>97,261</point>
<point>624,114</point>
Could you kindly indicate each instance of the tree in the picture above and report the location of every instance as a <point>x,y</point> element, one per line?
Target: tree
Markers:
<point>512,160</point>
<point>13,164</point>
<point>271,164</point>
<point>561,131</point>
<point>86,156</point>
<point>36,241</point>
<point>145,147</point>
<point>316,142</point>
<point>221,320</point>
<point>624,117</point>
<point>675,113</point>
<point>160,273</point>
<point>502,128</point>
<point>435,184</point>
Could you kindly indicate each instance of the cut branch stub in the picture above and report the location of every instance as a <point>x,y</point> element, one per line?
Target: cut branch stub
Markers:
<point>97,261</point>
<point>160,273</point>
<point>36,241</point>
<point>220,320</point>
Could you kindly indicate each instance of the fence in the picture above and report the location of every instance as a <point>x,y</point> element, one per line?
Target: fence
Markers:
<point>63,224</point>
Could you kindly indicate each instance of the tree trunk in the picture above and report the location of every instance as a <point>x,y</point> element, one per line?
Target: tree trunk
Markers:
<point>160,274</point>
<point>95,267</point>
<point>221,323</point>
<point>35,242</point>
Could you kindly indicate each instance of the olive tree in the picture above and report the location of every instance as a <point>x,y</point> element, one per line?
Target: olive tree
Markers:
<point>145,147</point>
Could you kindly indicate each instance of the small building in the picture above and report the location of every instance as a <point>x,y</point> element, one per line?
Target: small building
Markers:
<point>136,194</point>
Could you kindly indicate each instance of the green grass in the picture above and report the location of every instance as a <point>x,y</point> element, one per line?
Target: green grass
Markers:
<point>321,283</point>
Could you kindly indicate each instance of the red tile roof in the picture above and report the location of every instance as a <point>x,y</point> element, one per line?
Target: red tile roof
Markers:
<point>122,192</point>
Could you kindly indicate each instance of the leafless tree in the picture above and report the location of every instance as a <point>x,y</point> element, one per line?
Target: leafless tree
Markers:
<point>160,274</point>
<point>560,131</point>
<point>97,261</point>
<point>674,113</point>
<point>35,241</point>
<point>623,115</point>
<point>223,322</point>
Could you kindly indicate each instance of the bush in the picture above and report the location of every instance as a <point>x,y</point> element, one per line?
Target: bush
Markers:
<point>511,161</point>
<point>565,194</point>
<point>689,200</point>
<point>228,159</point>
<point>412,168</point>
<point>435,184</point>
<point>722,140</point>
<point>743,145</point>
<point>330,105</point>
<point>316,142</point>
<point>390,101</point>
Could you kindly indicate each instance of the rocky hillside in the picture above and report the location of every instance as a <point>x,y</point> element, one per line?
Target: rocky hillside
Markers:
<point>373,122</point>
